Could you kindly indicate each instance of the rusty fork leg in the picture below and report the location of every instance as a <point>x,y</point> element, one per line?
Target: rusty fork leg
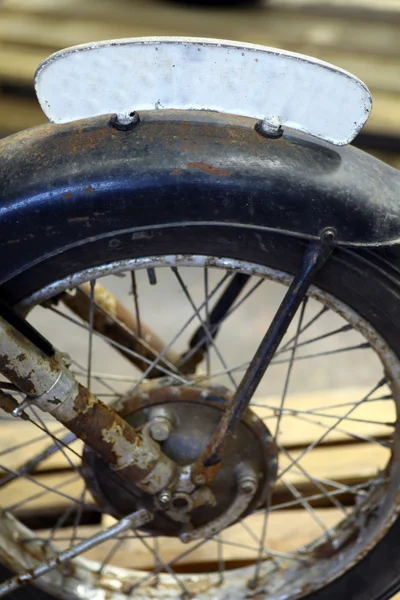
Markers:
<point>49,385</point>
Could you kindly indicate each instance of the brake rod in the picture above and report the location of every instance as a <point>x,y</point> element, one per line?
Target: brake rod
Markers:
<point>50,386</point>
<point>317,253</point>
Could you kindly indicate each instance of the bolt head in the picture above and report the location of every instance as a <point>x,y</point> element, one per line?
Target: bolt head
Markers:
<point>160,429</point>
<point>185,537</point>
<point>248,485</point>
<point>200,479</point>
<point>165,498</point>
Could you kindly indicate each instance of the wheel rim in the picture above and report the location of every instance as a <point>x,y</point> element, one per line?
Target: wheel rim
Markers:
<point>297,580</point>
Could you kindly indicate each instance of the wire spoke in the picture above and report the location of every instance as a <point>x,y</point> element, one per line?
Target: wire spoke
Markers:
<point>309,323</point>
<point>136,301</point>
<point>314,412</point>
<point>318,338</point>
<point>58,443</point>
<point>48,489</point>
<point>113,551</point>
<point>167,364</point>
<point>310,478</point>
<point>355,436</point>
<point>307,506</point>
<point>323,436</point>
<point>202,322</point>
<point>78,515</point>
<point>208,361</point>
<point>214,327</point>
<point>362,346</point>
<point>290,367</point>
<point>125,349</point>
<point>90,341</point>
<point>358,489</point>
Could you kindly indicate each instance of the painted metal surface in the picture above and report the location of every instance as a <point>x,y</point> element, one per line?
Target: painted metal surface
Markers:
<point>182,169</point>
<point>283,88</point>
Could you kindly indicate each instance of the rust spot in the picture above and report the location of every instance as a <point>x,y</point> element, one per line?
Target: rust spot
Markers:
<point>21,357</point>
<point>89,189</point>
<point>78,219</point>
<point>176,172</point>
<point>67,195</point>
<point>83,400</point>
<point>208,169</point>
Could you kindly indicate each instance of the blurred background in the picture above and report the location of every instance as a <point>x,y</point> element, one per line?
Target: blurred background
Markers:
<point>362,36</point>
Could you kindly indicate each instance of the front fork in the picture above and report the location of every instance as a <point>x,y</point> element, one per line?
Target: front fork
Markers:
<point>135,456</point>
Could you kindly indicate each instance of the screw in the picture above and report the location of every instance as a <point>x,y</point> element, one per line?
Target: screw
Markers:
<point>160,428</point>
<point>200,479</point>
<point>164,498</point>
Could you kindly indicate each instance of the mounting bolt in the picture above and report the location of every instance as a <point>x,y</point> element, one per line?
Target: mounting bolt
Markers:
<point>165,498</point>
<point>247,479</point>
<point>269,128</point>
<point>200,479</point>
<point>160,424</point>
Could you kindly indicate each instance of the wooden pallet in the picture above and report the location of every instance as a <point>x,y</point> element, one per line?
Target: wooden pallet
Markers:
<point>344,458</point>
<point>358,35</point>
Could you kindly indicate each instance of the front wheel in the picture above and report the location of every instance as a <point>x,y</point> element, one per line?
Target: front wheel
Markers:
<point>329,531</point>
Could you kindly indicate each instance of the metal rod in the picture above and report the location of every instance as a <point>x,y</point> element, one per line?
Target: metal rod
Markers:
<point>315,256</point>
<point>48,384</point>
<point>200,340</point>
<point>133,520</point>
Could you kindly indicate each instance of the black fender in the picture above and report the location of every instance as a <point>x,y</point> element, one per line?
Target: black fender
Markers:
<point>63,184</point>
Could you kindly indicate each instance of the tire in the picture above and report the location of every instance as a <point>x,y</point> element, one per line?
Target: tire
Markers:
<point>364,280</point>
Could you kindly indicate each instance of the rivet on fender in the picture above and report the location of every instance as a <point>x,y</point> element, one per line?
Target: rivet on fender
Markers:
<point>125,122</point>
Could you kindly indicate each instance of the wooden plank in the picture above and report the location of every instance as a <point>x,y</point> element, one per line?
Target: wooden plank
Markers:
<point>295,432</point>
<point>13,431</point>
<point>372,9</point>
<point>17,114</point>
<point>286,532</point>
<point>128,18</point>
<point>41,499</point>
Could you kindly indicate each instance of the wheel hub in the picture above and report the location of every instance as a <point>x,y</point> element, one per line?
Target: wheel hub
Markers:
<point>182,419</point>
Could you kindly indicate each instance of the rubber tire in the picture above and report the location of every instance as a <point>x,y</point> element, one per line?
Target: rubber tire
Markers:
<point>364,280</point>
